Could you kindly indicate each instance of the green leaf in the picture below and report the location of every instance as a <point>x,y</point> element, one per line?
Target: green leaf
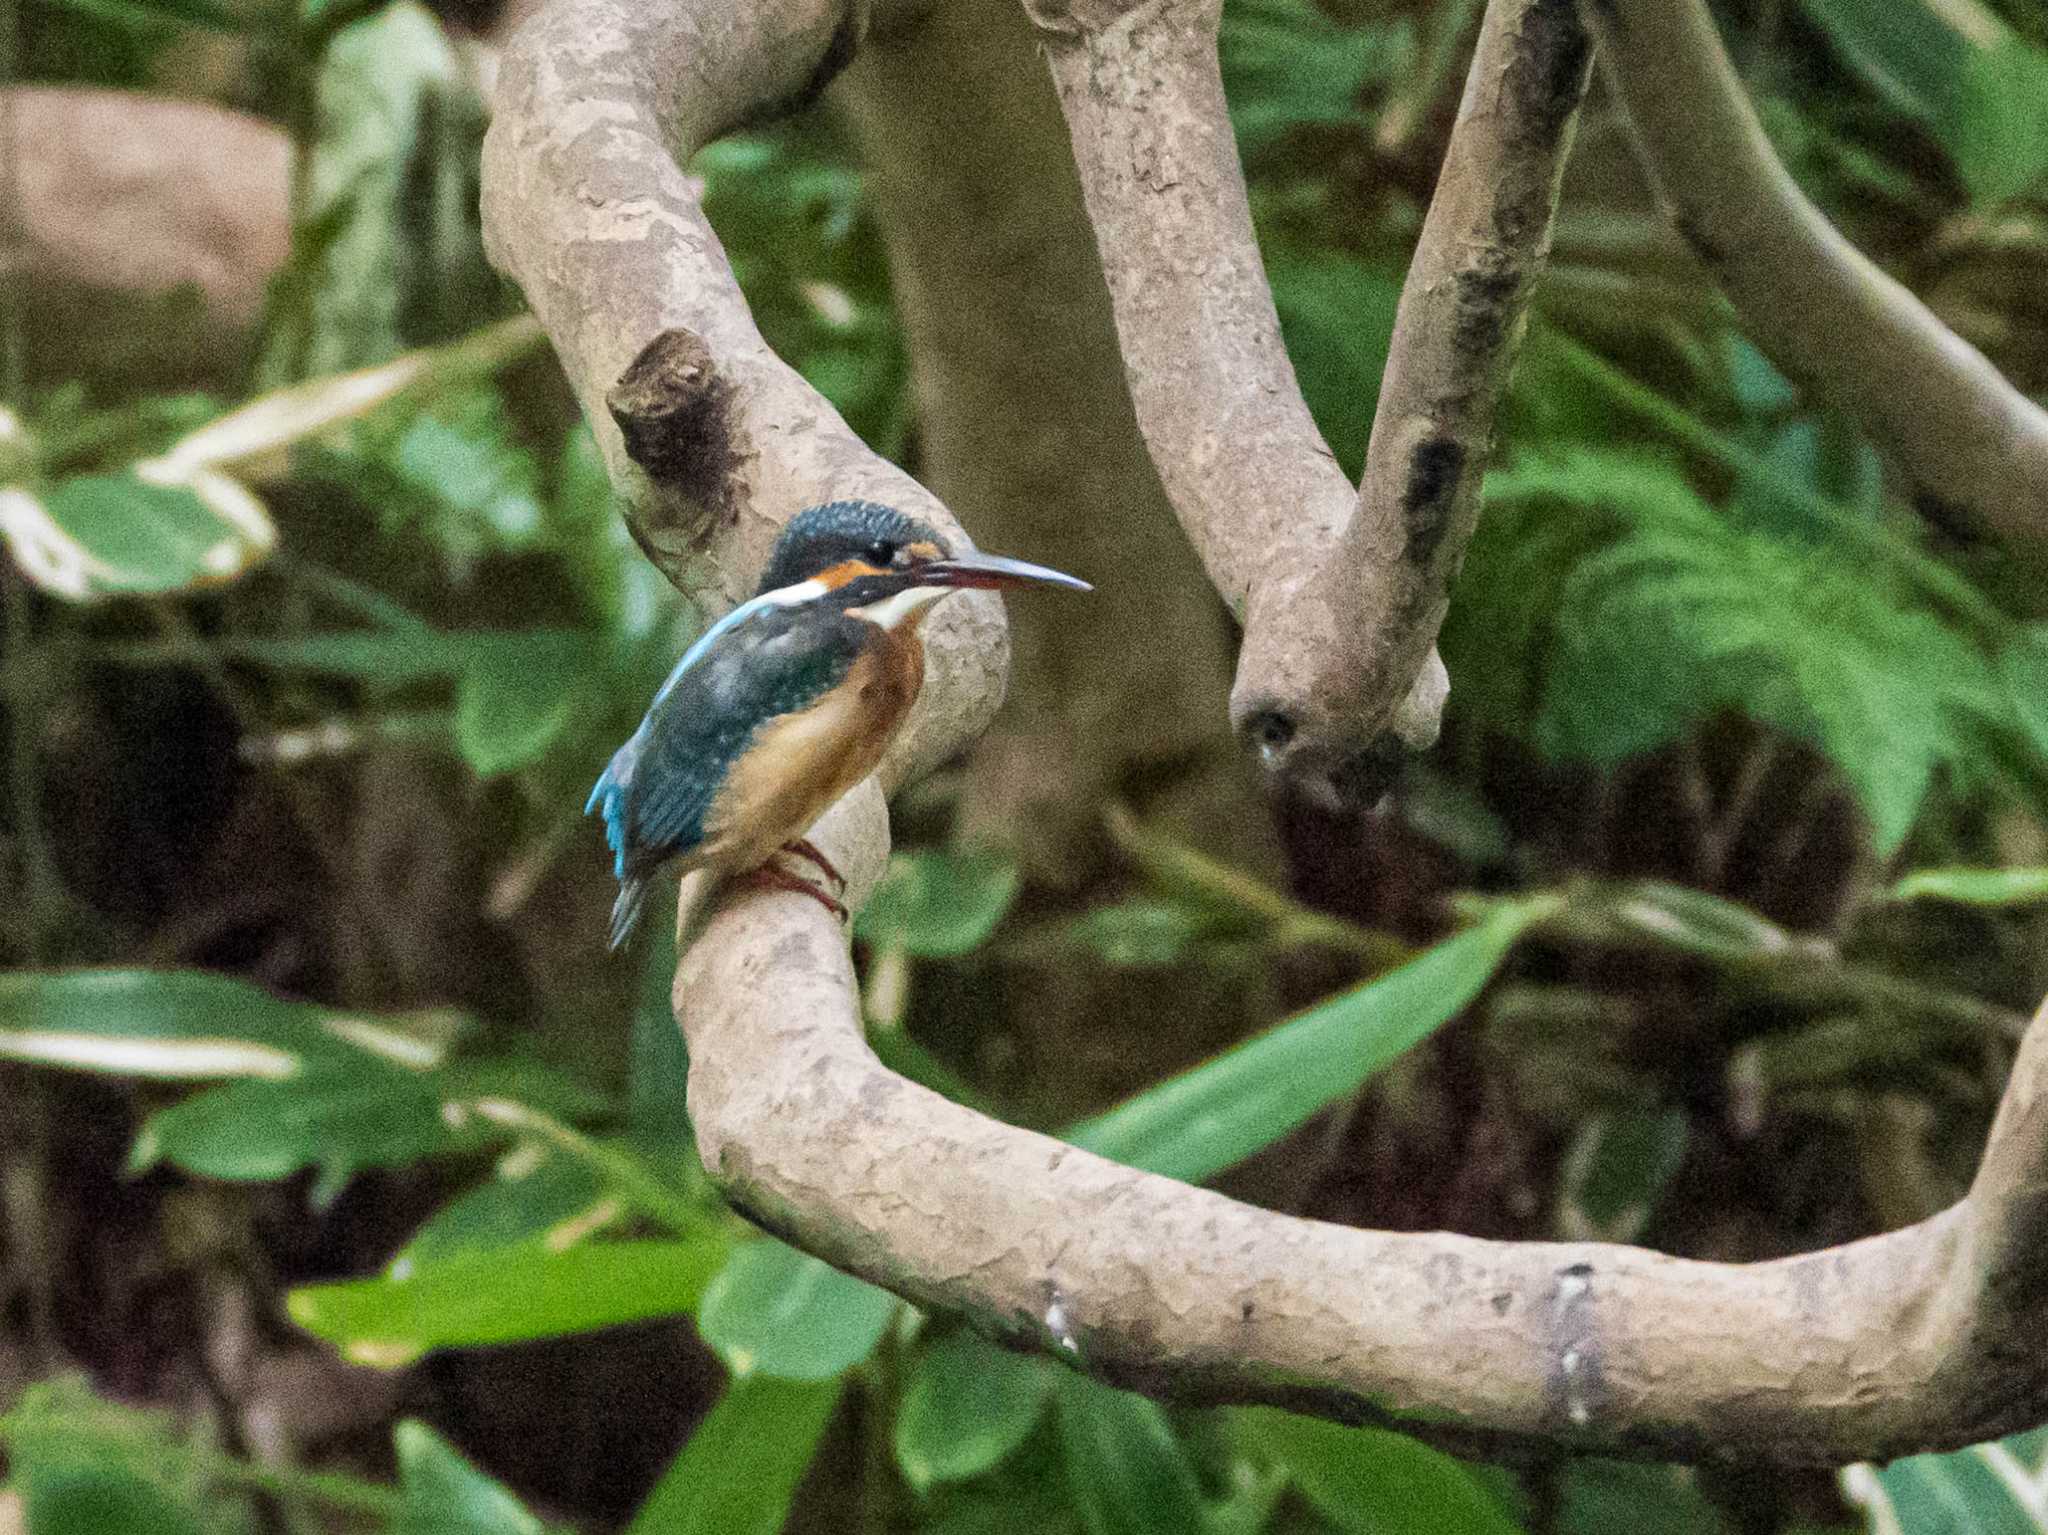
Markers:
<point>161,13</point>
<point>1287,65</point>
<point>102,535</point>
<point>775,1311</point>
<point>968,1405</point>
<point>2023,669</point>
<point>514,700</point>
<point>1598,1497</point>
<point>388,242</point>
<point>1977,86</point>
<point>657,1096</point>
<point>1140,934</point>
<point>1988,1489</point>
<point>79,1501</point>
<point>1337,318</point>
<point>938,905</point>
<point>446,1495</point>
<point>1374,1481</point>
<point>191,1025</point>
<point>1617,1169</point>
<point>1995,135</point>
<point>1126,1468</point>
<point>1637,611</point>
<point>257,1130</point>
<point>1974,887</point>
<point>531,1193</point>
<point>739,1472</point>
<point>505,1295</point>
<point>363,1114</point>
<point>1196,1124</point>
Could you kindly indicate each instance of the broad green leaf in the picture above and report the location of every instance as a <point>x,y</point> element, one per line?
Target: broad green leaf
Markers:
<point>532,1193</point>
<point>739,1471</point>
<point>1683,918</point>
<point>514,701</point>
<point>1196,1124</point>
<point>1126,1468</point>
<point>1287,65</point>
<point>1974,887</point>
<point>1988,1489</point>
<point>446,1495</point>
<point>258,1130</point>
<point>968,1405</point>
<point>102,535</point>
<point>77,1500</point>
<point>938,905</point>
<point>1374,1481</point>
<point>191,1025</point>
<point>775,1311</point>
<point>343,1119</point>
<point>299,413</point>
<point>505,1295</point>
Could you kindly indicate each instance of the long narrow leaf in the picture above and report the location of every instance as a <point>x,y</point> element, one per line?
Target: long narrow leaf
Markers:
<point>1196,1124</point>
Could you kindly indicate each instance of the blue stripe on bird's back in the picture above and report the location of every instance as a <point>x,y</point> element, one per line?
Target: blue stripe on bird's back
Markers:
<point>609,794</point>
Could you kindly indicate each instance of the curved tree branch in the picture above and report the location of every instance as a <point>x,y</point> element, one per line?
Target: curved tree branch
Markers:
<point>1341,596</point>
<point>1926,1338</point>
<point>713,441</point>
<point>1819,308</point>
<point>1923,1339</point>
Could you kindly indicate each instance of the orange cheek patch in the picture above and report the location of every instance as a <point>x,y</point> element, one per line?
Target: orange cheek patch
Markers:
<point>835,576</point>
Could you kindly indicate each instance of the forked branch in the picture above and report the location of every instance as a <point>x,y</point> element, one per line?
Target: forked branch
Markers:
<point>1341,594</point>
<point>1922,1339</point>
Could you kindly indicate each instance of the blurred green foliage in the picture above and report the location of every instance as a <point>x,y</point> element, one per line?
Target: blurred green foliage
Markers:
<point>394,535</point>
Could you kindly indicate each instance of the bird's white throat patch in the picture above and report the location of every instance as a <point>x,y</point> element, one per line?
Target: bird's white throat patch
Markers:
<point>898,608</point>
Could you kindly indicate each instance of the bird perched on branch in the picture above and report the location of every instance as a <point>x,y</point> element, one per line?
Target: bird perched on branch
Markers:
<point>785,703</point>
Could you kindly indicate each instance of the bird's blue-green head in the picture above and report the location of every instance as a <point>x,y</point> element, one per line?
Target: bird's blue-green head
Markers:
<point>866,557</point>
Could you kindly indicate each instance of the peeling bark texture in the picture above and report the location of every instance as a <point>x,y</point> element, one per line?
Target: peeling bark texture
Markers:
<point>1340,600</point>
<point>1976,448</point>
<point>587,207</point>
<point>1926,1338</point>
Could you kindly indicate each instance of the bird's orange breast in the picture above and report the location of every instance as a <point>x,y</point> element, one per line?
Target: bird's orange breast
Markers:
<point>798,765</point>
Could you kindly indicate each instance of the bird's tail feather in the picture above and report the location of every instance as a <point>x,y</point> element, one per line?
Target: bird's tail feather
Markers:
<point>626,909</point>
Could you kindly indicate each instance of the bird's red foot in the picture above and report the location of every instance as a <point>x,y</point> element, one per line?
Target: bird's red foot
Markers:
<point>774,877</point>
<point>804,848</point>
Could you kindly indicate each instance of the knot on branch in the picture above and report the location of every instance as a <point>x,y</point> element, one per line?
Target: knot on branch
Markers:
<point>674,411</point>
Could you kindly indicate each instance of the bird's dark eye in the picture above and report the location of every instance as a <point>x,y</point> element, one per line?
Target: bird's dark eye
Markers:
<point>883,554</point>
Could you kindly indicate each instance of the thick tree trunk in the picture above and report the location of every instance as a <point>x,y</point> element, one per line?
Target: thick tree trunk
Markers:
<point>1027,431</point>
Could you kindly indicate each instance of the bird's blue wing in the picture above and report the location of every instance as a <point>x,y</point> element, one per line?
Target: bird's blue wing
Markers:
<point>761,662</point>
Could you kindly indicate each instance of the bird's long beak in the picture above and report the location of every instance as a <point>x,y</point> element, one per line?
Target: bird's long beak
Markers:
<point>994,570</point>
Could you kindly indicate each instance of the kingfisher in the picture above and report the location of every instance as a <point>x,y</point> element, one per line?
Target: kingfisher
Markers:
<point>786,703</point>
